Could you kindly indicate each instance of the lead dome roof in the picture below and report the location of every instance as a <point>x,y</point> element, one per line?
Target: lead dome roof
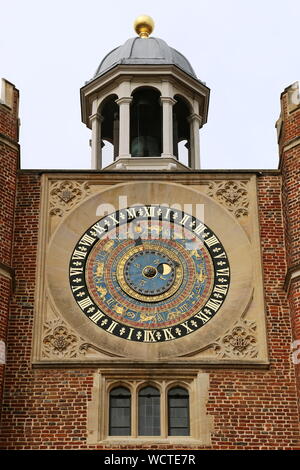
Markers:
<point>144,51</point>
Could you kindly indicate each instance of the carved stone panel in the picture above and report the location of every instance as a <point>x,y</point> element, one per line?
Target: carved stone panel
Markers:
<point>66,194</point>
<point>233,195</point>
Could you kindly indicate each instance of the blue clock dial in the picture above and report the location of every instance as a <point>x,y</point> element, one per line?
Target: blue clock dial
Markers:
<point>150,272</point>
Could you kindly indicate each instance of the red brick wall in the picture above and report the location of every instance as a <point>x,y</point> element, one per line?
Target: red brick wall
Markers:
<point>9,112</point>
<point>289,145</point>
<point>258,409</point>
<point>294,299</point>
<point>9,158</point>
<point>290,163</point>
<point>5,290</point>
<point>8,169</point>
<point>47,409</point>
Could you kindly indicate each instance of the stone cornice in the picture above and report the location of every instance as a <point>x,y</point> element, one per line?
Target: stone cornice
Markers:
<point>71,172</point>
<point>291,144</point>
<point>122,72</point>
<point>10,142</point>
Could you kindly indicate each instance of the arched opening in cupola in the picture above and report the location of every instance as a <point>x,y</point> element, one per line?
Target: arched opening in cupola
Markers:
<point>109,111</point>
<point>181,131</point>
<point>146,123</point>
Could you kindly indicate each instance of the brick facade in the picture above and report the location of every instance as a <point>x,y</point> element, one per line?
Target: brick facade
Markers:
<point>289,148</point>
<point>252,408</point>
<point>47,409</point>
<point>9,161</point>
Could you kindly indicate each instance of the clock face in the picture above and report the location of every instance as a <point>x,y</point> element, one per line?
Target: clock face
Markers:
<point>149,274</point>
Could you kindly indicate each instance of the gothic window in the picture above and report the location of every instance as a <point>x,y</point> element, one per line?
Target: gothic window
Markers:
<point>120,412</point>
<point>178,412</point>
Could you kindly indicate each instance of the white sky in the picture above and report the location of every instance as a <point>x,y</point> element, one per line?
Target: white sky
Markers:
<point>247,52</point>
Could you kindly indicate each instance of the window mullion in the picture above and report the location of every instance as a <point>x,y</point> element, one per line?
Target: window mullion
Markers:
<point>134,412</point>
<point>163,412</point>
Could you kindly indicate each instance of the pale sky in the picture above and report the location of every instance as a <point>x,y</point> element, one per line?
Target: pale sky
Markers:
<point>247,52</point>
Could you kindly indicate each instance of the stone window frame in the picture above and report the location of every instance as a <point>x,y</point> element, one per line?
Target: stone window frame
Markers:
<point>195,382</point>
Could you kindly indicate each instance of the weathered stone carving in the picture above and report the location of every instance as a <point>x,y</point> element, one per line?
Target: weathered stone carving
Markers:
<point>231,194</point>
<point>66,194</point>
<point>240,341</point>
<point>60,341</point>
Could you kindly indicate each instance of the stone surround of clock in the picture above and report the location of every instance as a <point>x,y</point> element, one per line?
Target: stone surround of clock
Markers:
<point>125,333</point>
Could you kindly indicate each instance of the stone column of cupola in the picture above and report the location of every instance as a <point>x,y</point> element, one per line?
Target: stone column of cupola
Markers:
<point>167,104</point>
<point>124,129</point>
<point>96,122</point>
<point>195,122</point>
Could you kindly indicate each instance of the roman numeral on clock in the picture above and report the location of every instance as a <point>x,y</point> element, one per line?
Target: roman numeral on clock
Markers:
<point>96,316</point>
<point>211,241</point>
<point>87,240</point>
<point>149,336</point>
<point>85,303</point>
<point>79,254</point>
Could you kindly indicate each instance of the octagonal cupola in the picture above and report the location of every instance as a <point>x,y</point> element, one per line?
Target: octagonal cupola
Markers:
<point>146,101</point>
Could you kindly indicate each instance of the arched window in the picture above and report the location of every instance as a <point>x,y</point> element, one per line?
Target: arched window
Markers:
<point>149,412</point>
<point>178,412</point>
<point>120,412</point>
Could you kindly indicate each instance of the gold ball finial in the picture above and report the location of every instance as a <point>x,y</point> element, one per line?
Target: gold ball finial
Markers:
<point>143,26</point>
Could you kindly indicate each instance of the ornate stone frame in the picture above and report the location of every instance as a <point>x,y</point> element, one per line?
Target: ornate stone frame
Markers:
<point>238,341</point>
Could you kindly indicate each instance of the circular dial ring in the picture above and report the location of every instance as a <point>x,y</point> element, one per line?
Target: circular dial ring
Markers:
<point>180,284</point>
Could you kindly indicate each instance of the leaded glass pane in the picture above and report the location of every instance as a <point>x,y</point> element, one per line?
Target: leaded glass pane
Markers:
<point>120,412</point>
<point>149,412</point>
<point>178,408</point>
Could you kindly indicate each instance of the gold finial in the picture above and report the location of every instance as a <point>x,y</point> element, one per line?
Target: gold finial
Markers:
<point>143,25</point>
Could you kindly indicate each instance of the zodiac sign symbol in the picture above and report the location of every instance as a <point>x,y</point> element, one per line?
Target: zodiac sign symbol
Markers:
<point>147,317</point>
<point>130,314</point>
<point>195,253</point>
<point>108,245</point>
<point>102,292</point>
<point>173,315</point>
<point>201,276</point>
<point>120,309</point>
<point>99,271</point>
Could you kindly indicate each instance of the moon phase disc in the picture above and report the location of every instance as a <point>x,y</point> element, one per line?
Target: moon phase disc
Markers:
<point>148,273</point>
